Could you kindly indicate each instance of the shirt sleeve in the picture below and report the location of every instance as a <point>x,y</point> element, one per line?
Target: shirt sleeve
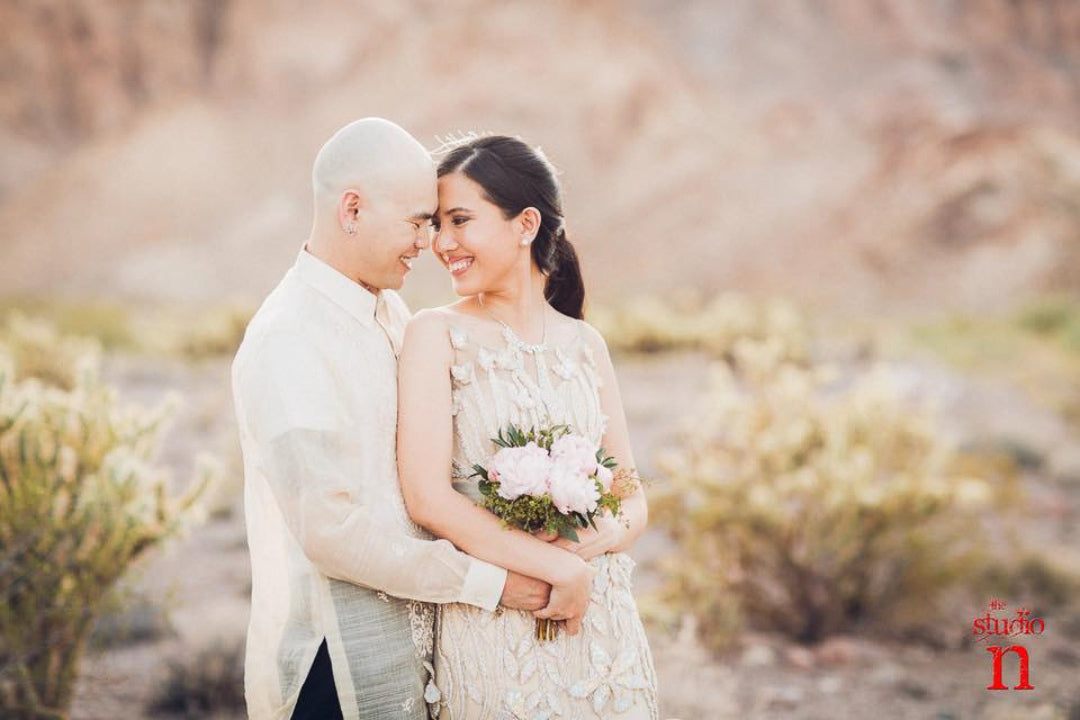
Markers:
<point>318,470</point>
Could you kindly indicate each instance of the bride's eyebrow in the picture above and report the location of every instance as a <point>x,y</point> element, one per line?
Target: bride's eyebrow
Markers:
<point>453,210</point>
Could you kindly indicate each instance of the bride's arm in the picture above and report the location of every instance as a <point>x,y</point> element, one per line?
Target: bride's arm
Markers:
<point>614,535</point>
<point>424,449</point>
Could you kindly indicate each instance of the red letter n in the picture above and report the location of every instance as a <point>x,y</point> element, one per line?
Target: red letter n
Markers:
<point>998,654</point>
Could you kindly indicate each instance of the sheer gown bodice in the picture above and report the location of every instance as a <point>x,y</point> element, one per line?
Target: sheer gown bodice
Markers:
<point>488,665</point>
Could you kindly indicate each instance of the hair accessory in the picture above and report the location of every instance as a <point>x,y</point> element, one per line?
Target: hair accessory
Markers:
<point>454,140</point>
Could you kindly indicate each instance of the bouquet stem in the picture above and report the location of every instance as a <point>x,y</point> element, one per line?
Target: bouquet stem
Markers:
<point>547,630</point>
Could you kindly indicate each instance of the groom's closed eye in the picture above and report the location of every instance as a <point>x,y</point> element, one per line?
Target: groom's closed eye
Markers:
<point>420,221</point>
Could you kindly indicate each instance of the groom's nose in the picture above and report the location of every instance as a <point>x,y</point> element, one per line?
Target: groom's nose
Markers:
<point>423,239</point>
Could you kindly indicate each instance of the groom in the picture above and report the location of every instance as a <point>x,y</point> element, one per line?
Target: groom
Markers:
<point>339,624</point>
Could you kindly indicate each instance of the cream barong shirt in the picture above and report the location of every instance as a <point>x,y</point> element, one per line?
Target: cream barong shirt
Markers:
<point>334,554</point>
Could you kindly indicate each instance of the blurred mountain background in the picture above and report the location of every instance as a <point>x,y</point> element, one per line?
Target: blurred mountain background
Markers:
<point>870,156</point>
<point>833,242</point>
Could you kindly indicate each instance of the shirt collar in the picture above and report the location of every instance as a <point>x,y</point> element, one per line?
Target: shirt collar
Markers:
<point>349,294</point>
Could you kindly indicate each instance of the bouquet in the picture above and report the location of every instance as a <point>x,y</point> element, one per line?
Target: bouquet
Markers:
<point>553,481</point>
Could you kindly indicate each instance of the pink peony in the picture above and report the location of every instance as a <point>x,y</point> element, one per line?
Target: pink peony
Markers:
<point>572,490</point>
<point>604,475</point>
<point>521,471</point>
<point>576,453</point>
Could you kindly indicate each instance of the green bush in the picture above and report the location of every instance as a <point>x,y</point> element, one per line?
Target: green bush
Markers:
<point>38,350</point>
<point>80,501</point>
<point>212,681</point>
<point>130,620</point>
<point>108,324</point>
<point>648,324</point>
<point>215,333</point>
<point>1041,582</point>
<point>809,506</point>
<point>1050,316</point>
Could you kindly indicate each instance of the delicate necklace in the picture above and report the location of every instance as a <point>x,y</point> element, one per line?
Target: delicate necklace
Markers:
<point>512,337</point>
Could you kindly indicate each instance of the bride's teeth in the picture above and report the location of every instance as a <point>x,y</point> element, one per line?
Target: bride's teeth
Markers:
<point>460,265</point>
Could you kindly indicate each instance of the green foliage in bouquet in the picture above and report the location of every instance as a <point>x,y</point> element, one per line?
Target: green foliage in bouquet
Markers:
<point>810,504</point>
<point>534,514</point>
<point>80,501</point>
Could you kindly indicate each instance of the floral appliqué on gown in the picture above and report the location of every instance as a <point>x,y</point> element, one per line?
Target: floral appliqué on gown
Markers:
<point>489,665</point>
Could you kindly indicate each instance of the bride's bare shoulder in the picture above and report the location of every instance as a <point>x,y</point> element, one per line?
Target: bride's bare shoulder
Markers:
<point>430,327</point>
<point>426,331</point>
<point>592,337</point>
<point>459,310</point>
<point>439,313</point>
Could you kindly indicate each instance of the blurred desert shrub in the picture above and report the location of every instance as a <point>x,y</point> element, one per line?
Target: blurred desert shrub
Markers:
<point>211,333</point>
<point>1053,317</point>
<point>38,350</point>
<point>187,333</point>
<point>1036,349</point>
<point>108,324</point>
<point>130,619</point>
<point>1036,580</point>
<point>80,502</point>
<point>649,324</point>
<point>209,682</point>
<point>809,504</point>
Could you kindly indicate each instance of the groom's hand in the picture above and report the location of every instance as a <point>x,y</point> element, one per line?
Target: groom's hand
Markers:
<point>524,593</point>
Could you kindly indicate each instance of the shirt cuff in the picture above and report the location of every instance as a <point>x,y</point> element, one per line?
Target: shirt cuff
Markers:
<point>483,585</point>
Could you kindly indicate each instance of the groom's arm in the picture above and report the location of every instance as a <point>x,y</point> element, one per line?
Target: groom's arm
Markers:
<point>318,471</point>
<point>524,593</point>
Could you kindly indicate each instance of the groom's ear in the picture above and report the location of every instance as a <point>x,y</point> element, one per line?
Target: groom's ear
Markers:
<point>529,218</point>
<point>349,207</point>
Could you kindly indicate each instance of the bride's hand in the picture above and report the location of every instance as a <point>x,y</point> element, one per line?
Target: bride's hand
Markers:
<point>545,535</point>
<point>570,595</point>
<point>608,534</point>
<point>590,543</point>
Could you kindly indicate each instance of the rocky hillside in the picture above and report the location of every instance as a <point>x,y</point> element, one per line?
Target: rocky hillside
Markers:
<point>874,155</point>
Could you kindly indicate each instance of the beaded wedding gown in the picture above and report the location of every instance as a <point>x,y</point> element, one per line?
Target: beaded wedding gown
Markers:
<point>489,665</point>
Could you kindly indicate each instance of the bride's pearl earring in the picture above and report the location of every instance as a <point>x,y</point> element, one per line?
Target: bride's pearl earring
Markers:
<point>525,241</point>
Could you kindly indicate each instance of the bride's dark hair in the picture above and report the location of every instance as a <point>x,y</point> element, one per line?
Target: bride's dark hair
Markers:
<point>514,176</point>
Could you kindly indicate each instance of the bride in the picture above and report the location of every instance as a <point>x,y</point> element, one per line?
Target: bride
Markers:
<point>514,349</point>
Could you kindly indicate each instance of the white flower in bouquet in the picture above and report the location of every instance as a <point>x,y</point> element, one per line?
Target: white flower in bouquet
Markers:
<point>572,491</point>
<point>521,471</point>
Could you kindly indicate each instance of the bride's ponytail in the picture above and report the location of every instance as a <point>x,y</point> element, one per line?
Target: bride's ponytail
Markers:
<point>515,176</point>
<point>565,289</point>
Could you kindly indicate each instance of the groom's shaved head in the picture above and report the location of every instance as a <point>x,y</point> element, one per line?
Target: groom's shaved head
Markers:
<point>375,191</point>
<point>368,155</point>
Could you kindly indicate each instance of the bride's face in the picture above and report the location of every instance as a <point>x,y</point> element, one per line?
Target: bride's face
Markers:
<point>480,248</point>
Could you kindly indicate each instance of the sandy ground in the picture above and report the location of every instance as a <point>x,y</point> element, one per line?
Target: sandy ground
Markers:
<point>203,580</point>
